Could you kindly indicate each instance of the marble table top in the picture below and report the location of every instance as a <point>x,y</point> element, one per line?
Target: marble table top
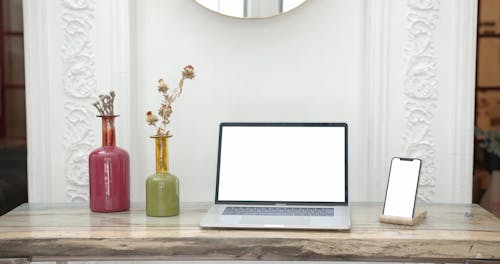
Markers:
<point>71,232</point>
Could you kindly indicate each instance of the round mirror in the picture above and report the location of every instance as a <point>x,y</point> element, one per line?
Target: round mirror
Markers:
<point>250,8</point>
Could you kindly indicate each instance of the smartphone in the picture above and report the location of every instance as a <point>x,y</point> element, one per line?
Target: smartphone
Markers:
<point>402,187</point>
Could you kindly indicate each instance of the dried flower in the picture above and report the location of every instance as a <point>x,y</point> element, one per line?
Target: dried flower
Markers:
<point>188,72</point>
<point>105,104</point>
<point>162,86</point>
<point>166,109</point>
<point>165,112</point>
<point>151,119</point>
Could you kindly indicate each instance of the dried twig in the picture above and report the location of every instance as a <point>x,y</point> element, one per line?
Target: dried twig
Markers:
<point>166,109</point>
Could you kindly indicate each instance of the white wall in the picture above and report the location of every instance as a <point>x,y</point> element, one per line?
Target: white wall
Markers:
<point>304,66</point>
<point>325,61</point>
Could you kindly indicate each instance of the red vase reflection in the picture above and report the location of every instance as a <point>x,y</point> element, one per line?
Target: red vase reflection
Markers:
<point>109,179</point>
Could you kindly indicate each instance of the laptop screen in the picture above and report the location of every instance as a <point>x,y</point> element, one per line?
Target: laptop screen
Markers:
<point>283,162</point>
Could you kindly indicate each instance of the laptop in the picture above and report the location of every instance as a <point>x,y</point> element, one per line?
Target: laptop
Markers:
<point>281,176</point>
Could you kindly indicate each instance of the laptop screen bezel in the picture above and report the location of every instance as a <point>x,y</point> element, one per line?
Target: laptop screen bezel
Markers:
<point>236,124</point>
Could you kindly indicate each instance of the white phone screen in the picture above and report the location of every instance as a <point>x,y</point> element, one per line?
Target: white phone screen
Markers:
<point>402,187</point>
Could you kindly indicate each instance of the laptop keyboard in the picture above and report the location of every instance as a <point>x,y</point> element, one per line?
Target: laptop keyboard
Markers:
<point>278,211</point>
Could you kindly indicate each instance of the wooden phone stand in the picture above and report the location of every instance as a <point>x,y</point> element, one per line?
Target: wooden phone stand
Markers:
<point>409,221</point>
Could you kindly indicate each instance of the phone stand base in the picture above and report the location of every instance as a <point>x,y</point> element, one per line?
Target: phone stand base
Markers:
<point>419,217</point>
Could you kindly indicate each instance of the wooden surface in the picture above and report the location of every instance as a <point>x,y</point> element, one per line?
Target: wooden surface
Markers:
<point>68,231</point>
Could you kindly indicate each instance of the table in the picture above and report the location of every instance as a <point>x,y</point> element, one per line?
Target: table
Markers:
<point>61,232</point>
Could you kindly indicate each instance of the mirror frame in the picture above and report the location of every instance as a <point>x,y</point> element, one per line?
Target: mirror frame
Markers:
<point>251,18</point>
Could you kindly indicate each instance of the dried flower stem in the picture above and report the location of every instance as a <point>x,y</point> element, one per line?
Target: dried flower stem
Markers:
<point>166,108</point>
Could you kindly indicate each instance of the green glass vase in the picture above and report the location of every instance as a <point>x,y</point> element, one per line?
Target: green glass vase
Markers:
<point>162,188</point>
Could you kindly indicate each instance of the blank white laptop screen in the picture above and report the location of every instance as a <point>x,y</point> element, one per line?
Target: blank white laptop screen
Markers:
<point>282,164</point>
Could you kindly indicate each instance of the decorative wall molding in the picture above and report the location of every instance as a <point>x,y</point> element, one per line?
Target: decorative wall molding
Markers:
<point>420,90</point>
<point>462,129</point>
<point>79,84</point>
<point>38,100</point>
<point>377,66</point>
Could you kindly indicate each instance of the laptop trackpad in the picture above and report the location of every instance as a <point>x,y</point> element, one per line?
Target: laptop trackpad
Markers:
<point>274,220</point>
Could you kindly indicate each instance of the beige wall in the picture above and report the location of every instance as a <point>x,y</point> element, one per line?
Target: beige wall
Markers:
<point>488,100</point>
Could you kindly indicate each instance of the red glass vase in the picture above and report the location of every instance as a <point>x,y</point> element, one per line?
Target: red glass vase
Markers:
<point>109,178</point>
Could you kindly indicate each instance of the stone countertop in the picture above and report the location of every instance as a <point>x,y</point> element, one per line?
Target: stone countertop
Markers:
<point>71,232</point>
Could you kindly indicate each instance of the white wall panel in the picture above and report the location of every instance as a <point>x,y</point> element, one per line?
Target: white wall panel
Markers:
<point>75,50</point>
<point>302,66</point>
<point>428,42</point>
<point>325,61</point>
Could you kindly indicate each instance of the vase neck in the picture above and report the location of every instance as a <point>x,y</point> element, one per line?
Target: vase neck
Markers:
<point>108,131</point>
<point>161,154</point>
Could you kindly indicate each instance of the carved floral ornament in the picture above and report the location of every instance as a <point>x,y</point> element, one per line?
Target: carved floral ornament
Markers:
<point>79,84</point>
<point>420,90</point>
